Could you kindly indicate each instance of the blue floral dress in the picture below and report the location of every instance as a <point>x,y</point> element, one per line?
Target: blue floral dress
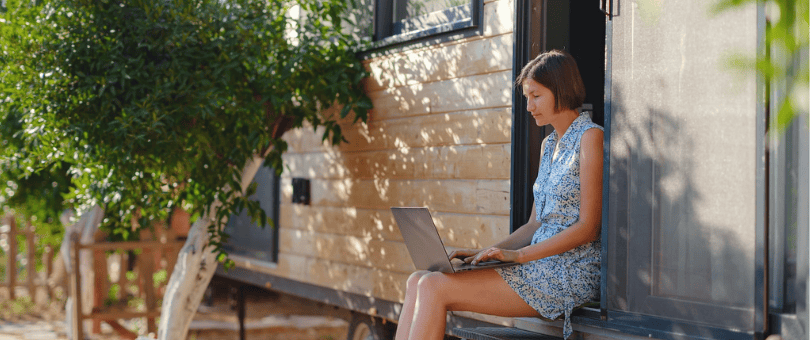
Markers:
<point>557,284</point>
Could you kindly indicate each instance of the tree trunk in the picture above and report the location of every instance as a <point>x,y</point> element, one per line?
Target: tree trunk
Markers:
<point>85,228</point>
<point>196,265</point>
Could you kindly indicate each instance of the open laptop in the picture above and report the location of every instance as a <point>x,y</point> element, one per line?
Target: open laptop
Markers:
<point>425,245</point>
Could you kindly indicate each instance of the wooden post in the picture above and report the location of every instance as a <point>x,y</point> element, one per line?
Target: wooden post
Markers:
<point>240,307</point>
<point>99,284</point>
<point>75,291</point>
<point>149,290</point>
<point>170,252</point>
<point>47,262</point>
<point>4,221</point>
<point>122,274</point>
<point>12,257</point>
<point>31,265</point>
<point>171,259</point>
<point>180,223</point>
<point>147,272</point>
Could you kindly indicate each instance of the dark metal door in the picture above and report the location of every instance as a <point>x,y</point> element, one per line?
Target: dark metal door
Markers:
<point>686,194</point>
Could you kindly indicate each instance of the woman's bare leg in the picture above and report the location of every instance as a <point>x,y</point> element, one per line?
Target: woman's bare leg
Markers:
<point>406,315</point>
<point>481,291</point>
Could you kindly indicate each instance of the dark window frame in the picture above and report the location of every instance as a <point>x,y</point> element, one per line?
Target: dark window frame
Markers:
<point>385,29</point>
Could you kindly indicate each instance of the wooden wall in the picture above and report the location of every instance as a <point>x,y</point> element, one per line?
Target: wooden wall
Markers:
<point>439,136</point>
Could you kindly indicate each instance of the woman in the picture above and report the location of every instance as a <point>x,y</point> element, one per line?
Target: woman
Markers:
<point>558,249</point>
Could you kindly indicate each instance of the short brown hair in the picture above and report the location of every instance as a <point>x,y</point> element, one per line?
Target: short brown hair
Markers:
<point>557,71</point>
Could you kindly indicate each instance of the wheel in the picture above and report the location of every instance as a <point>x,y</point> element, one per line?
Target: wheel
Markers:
<point>362,332</point>
<point>364,327</point>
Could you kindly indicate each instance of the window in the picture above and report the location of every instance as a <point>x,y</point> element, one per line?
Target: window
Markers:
<point>248,239</point>
<point>388,22</point>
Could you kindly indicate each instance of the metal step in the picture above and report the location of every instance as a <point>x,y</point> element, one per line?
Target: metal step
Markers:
<point>499,333</point>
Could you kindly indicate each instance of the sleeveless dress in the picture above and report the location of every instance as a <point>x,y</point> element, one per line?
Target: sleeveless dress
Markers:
<point>557,284</point>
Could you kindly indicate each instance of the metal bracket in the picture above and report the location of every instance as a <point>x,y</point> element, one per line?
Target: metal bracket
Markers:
<point>606,6</point>
<point>301,191</point>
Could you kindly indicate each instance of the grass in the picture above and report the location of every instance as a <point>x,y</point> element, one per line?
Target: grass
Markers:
<point>10,309</point>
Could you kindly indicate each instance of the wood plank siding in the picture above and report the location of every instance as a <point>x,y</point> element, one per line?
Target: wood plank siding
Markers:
<point>439,136</point>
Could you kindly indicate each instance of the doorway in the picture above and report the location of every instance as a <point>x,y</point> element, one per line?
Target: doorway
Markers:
<point>543,25</point>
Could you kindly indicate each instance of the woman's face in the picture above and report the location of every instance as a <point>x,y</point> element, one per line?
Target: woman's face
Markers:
<point>539,102</point>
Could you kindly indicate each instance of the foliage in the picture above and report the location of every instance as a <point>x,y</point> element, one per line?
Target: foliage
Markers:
<point>786,63</point>
<point>37,197</point>
<point>10,309</point>
<point>151,104</point>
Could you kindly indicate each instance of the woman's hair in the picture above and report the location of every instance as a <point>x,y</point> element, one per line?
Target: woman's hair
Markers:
<point>558,72</point>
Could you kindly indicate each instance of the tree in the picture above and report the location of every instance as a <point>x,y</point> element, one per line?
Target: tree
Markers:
<point>158,103</point>
<point>38,197</point>
<point>152,104</point>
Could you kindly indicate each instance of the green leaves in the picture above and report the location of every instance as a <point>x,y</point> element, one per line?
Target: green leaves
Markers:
<point>32,179</point>
<point>157,103</point>
<point>785,65</point>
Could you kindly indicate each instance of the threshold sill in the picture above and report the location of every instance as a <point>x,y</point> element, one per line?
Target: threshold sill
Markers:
<point>588,326</point>
<point>588,323</point>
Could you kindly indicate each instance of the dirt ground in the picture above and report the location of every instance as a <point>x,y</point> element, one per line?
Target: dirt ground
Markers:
<point>268,316</point>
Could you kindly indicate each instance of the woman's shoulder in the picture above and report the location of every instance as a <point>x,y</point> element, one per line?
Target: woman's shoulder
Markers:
<point>589,130</point>
<point>592,137</point>
<point>592,125</point>
<point>588,124</point>
<point>595,133</point>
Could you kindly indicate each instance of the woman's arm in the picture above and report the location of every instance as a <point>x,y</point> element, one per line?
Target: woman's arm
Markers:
<point>586,229</point>
<point>519,239</point>
<point>523,236</point>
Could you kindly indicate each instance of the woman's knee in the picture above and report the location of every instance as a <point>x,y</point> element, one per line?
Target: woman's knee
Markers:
<point>431,284</point>
<point>413,280</point>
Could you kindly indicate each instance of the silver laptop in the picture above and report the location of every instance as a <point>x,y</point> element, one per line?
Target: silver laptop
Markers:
<point>425,245</point>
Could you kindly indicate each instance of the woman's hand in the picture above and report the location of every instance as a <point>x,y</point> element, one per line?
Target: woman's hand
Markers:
<point>464,254</point>
<point>493,253</point>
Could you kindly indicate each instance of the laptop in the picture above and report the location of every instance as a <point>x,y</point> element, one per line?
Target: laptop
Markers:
<point>426,246</point>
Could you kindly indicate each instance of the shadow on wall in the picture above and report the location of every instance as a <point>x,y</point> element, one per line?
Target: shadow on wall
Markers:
<point>438,136</point>
<point>677,248</point>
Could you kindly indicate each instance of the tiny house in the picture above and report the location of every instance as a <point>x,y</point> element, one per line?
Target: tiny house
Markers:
<point>705,212</point>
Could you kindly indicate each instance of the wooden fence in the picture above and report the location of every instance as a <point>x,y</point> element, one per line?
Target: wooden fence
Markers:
<point>9,233</point>
<point>154,256</point>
